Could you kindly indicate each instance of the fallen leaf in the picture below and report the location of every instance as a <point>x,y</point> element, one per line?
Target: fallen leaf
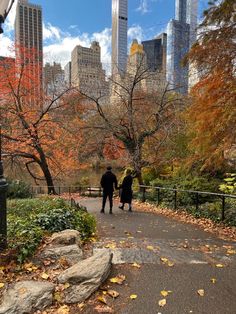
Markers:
<point>133,296</point>
<point>231,251</point>
<point>102,299</point>
<point>170,264</point>
<point>113,293</point>
<point>1,285</point>
<point>150,247</point>
<point>164,293</point>
<point>136,265</point>
<point>45,276</point>
<point>201,292</point>
<point>63,310</point>
<point>118,279</point>
<point>57,297</point>
<point>66,285</point>
<point>219,265</point>
<point>81,305</point>
<point>110,246</point>
<point>213,280</point>
<point>164,259</point>
<point>162,302</point>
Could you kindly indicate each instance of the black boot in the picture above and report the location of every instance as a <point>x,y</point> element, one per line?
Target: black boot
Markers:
<point>102,211</point>
<point>130,209</point>
<point>110,212</point>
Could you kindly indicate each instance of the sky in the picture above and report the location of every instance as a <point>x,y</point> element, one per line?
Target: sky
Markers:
<point>78,22</point>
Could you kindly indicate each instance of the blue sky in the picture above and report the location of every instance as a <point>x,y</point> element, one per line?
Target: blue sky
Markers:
<point>71,22</point>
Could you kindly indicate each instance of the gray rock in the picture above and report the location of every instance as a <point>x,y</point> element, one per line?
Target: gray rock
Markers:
<point>72,253</point>
<point>27,296</point>
<point>86,276</point>
<point>66,237</point>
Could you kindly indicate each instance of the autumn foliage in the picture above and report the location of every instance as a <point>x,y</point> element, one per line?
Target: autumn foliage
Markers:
<point>38,129</point>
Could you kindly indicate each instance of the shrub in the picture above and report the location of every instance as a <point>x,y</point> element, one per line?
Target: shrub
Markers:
<point>18,189</point>
<point>31,219</point>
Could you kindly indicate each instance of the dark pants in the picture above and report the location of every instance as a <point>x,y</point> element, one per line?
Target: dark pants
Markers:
<point>104,198</point>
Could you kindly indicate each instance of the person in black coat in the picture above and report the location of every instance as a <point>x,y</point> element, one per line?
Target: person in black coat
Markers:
<point>126,193</point>
<point>108,181</point>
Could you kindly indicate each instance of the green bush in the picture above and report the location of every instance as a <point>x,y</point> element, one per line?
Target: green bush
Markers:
<point>18,189</point>
<point>31,219</point>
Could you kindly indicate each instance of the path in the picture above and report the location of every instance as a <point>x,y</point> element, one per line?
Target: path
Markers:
<point>145,238</point>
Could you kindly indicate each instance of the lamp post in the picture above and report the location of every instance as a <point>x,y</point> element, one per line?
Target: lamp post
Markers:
<point>3,202</point>
<point>5,7</point>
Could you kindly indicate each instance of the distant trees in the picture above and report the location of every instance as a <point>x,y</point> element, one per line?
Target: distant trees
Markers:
<point>37,129</point>
<point>212,116</point>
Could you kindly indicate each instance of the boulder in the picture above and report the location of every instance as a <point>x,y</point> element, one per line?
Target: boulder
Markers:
<point>86,276</point>
<point>66,237</point>
<point>26,297</point>
<point>72,253</point>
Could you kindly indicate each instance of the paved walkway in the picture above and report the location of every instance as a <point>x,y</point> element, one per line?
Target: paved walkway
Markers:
<point>156,243</point>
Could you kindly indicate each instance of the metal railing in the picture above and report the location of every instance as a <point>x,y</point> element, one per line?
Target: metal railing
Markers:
<point>144,190</point>
<point>197,194</point>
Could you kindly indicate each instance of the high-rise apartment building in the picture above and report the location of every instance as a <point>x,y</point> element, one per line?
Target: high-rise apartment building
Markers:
<point>53,77</point>
<point>181,35</point>
<point>29,35</point>
<point>119,36</point>
<point>155,50</point>
<point>86,69</point>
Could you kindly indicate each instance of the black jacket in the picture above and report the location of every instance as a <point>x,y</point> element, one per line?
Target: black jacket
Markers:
<point>108,181</point>
<point>126,190</point>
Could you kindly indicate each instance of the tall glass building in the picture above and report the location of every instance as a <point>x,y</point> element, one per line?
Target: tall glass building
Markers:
<point>119,35</point>
<point>181,34</point>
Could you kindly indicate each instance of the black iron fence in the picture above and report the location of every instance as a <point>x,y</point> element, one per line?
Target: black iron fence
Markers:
<point>217,206</point>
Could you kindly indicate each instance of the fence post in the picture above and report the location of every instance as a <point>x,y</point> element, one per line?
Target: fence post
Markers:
<point>175,199</point>
<point>223,209</point>
<point>144,194</point>
<point>69,191</point>
<point>158,196</point>
<point>59,190</point>
<point>197,201</point>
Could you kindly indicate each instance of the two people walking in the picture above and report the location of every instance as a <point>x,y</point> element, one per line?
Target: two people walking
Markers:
<point>109,183</point>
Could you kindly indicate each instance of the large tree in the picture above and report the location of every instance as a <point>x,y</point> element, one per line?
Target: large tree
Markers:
<point>141,105</point>
<point>37,128</point>
<point>212,116</point>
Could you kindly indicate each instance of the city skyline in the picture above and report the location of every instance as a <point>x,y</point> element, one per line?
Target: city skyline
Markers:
<point>59,42</point>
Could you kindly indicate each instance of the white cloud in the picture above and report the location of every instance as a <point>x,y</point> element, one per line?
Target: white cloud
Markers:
<point>143,6</point>
<point>135,32</point>
<point>51,32</point>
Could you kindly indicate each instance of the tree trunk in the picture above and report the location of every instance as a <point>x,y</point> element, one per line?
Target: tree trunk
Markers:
<point>45,169</point>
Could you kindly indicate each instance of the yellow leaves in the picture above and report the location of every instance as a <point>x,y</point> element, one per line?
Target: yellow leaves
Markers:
<point>165,261</point>
<point>30,267</point>
<point>136,265</point>
<point>63,310</point>
<point>231,251</point>
<point>118,279</point>
<point>201,292</point>
<point>110,246</point>
<point>220,265</point>
<point>112,293</point>
<point>133,296</point>
<point>66,285</point>
<point>58,297</point>
<point>165,293</point>
<point>213,280</point>
<point>162,302</point>
<point>1,285</point>
<point>150,247</point>
<point>102,299</point>
<point>45,276</point>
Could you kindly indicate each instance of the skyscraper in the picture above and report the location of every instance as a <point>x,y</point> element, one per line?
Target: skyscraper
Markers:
<point>181,35</point>
<point>119,35</point>
<point>155,50</point>
<point>29,34</point>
